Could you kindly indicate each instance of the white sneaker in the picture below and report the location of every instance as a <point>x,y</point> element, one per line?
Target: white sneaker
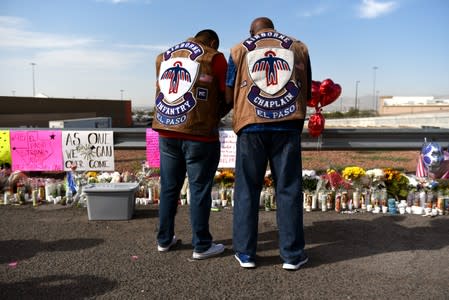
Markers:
<point>165,249</point>
<point>296,265</point>
<point>214,249</point>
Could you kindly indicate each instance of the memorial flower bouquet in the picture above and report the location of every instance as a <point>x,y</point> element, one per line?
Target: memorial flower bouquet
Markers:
<point>225,178</point>
<point>397,184</point>
<point>376,178</point>
<point>268,180</point>
<point>92,177</point>
<point>309,183</point>
<point>355,175</point>
<point>335,181</point>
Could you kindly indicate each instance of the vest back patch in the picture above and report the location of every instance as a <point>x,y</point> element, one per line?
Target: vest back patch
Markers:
<point>177,77</point>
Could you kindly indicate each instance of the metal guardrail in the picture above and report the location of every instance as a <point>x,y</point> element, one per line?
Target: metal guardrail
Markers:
<point>331,138</point>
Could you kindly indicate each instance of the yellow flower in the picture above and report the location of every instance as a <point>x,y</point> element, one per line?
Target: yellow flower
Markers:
<point>353,173</point>
<point>330,171</point>
<point>91,174</point>
<point>225,177</point>
<point>391,174</point>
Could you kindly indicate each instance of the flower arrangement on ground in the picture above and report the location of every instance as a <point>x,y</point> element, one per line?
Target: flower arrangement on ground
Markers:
<point>397,184</point>
<point>225,178</point>
<point>335,181</point>
<point>355,175</point>
<point>268,180</point>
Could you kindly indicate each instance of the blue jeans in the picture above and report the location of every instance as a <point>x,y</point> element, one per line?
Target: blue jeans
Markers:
<point>282,149</point>
<point>200,160</point>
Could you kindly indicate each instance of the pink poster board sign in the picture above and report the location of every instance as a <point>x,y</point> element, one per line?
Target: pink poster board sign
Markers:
<point>36,150</point>
<point>152,139</point>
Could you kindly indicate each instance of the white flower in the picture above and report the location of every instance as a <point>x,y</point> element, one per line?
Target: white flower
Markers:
<point>310,173</point>
<point>412,181</point>
<point>104,177</point>
<point>375,174</point>
<point>115,177</point>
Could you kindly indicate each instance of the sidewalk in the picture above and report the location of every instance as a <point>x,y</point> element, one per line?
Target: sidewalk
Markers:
<point>54,252</point>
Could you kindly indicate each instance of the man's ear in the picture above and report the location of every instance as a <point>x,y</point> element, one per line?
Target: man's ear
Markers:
<point>214,44</point>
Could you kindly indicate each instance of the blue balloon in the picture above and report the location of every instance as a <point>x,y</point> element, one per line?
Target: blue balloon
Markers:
<point>432,155</point>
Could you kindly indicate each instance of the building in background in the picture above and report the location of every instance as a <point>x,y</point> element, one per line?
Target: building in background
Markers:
<point>398,105</point>
<point>37,112</point>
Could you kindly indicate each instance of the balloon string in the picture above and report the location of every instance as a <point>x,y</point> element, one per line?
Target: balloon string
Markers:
<point>319,143</point>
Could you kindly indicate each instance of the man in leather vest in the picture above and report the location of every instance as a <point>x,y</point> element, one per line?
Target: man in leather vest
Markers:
<point>189,103</point>
<point>268,81</point>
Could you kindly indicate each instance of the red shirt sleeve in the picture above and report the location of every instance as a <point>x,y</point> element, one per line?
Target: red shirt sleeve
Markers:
<point>219,67</point>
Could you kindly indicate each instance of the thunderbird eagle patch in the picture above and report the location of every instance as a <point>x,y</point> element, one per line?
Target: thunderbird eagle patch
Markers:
<point>273,93</point>
<point>270,69</point>
<point>177,76</point>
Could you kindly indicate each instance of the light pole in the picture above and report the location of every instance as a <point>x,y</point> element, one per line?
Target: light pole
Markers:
<point>356,90</point>
<point>377,99</point>
<point>32,70</point>
<point>374,87</point>
<point>121,94</point>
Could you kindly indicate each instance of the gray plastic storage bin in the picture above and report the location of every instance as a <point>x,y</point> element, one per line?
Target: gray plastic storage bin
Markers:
<point>110,201</point>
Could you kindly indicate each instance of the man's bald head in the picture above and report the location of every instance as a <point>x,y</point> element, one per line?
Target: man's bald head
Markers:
<point>259,24</point>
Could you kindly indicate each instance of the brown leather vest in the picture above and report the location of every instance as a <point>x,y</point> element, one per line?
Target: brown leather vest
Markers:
<point>186,90</point>
<point>271,80</point>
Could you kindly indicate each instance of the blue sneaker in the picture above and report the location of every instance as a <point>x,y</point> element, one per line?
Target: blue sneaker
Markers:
<point>303,259</point>
<point>244,260</point>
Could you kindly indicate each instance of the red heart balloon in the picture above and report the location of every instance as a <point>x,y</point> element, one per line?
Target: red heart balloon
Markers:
<point>335,92</point>
<point>316,95</point>
<point>316,124</point>
<point>326,86</point>
<point>315,88</point>
<point>314,101</point>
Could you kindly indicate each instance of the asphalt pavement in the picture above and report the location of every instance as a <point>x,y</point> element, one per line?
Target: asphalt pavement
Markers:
<point>55,252</point>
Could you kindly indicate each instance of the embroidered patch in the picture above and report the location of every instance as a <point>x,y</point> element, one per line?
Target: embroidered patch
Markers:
<point>284,41</point>
<point>201,93</point>
<point>194,49</point>
<point>270,68</point>
<point>176,77</point>
<point>274,107</point>
<point>168,114</point>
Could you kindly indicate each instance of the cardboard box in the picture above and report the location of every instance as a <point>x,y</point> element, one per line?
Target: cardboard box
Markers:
<point>110,201</point>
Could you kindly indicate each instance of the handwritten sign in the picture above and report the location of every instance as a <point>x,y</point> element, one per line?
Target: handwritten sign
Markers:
<point>153,157</point>
<point>228,140</point>
<point>88,150</point>
<point>38,150</point>
<point>5,151</point>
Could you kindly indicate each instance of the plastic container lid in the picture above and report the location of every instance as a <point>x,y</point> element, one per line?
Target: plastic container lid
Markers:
<point>110,187</point>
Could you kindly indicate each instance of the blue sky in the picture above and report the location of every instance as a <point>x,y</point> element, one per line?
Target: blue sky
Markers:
<point>96,48</point>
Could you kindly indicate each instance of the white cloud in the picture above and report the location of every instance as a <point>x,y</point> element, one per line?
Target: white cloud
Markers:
<point>93,59</point>
<point>14,35</point>
<point>370,9</point>
<point>7,21</point>
<point>316,11</point>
